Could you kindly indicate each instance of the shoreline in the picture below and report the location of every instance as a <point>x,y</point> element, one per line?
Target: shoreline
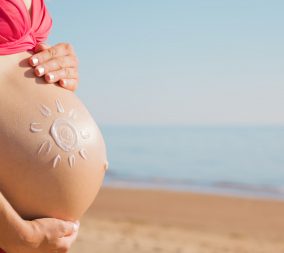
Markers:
<point>218,189</point>
<point>136,220</point>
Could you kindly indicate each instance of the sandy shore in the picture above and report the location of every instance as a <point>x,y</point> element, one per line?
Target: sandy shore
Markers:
<point>123,220</point>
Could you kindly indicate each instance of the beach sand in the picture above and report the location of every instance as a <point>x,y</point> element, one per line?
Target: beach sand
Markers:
<point>128,220</point>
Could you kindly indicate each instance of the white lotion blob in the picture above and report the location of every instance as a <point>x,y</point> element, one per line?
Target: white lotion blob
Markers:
<point>64,132</point>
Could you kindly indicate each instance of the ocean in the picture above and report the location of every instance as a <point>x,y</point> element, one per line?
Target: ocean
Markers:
<point>242,161</point>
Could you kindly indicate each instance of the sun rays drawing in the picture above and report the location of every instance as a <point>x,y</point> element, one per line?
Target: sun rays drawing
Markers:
<point>64,133</point>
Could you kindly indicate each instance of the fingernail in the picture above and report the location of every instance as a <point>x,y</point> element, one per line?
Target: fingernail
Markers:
<point>75,227</point>
<point>35,61</point>
<point>40,71</point>
<point>106,165</point>
<point>64,83</point>
<point>50,77</point>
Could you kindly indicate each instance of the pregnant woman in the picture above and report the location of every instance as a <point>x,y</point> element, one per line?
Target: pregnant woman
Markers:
<point>52,153</point>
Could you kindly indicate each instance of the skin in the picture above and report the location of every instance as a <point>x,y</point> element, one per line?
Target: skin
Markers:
<point>59,63</point>
<point>68,192</point>
<point>42,234</point>
<point>28,181</point>
<point>45,234</point>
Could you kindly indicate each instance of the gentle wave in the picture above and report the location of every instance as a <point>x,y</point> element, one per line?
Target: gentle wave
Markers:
<point>245,161</point>
<point>221,187</point>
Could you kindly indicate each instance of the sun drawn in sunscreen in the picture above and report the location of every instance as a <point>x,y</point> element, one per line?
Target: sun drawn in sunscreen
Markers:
<point>64,132</point>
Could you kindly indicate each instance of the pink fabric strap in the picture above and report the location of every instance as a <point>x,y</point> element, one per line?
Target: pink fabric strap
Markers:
<point>20,31</point>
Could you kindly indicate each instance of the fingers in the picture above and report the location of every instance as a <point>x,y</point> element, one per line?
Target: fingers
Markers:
<point>66,73</point>
<point>56,64</point>
<point>54,229</point>
<point>67,228</point>
<point>50,235</point>
<point>61,49</point>
<point>70,84</point>
<point>60,69</point>
<point>64,244</point>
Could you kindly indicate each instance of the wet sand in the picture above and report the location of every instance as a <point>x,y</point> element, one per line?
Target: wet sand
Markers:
<point>128,220</point>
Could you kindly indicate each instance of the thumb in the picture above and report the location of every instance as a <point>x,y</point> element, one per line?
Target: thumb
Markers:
<point>68,228</point>
<point>40,47</point>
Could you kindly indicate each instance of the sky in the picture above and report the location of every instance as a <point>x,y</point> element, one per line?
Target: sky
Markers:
<point>176,62</point>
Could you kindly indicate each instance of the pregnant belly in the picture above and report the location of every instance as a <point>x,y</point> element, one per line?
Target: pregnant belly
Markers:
<point>52,153</point>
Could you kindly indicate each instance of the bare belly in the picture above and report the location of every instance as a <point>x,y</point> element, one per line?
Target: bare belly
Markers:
<point>52,154</point>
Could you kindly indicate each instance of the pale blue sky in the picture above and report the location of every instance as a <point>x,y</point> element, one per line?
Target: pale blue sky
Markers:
<point>177,62</point>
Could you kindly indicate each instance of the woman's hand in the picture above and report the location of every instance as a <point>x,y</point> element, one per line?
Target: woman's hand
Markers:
<point>50,235</point>
<point>57,64</point>
<point>45,235</point>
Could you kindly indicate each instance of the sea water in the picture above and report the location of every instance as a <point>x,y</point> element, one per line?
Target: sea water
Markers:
<point>224,160</point>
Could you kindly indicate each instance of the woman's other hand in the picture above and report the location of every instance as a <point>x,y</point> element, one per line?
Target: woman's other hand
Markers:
<point>46,235</point>
<point>57,64</point>
<point>50,235</point>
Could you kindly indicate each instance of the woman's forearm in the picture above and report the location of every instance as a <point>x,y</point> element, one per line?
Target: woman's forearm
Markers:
<point>11,224</point>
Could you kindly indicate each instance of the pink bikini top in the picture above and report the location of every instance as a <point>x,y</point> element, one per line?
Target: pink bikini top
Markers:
<point>20,31</point>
